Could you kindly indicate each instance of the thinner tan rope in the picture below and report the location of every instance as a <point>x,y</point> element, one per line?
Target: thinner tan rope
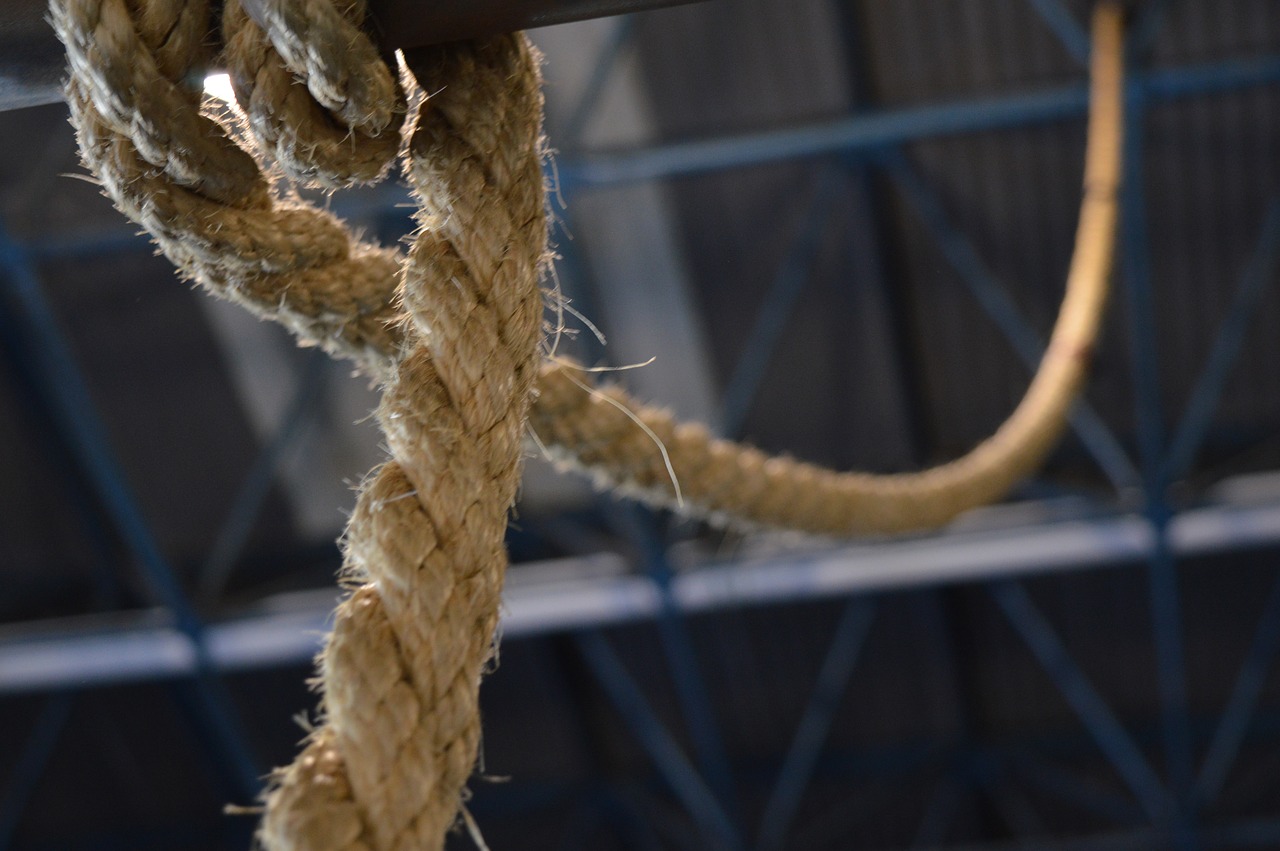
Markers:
<point>457,354</point>
<point>724,479</point>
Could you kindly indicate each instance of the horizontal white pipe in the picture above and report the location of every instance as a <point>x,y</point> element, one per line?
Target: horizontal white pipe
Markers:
<point>598,591</point>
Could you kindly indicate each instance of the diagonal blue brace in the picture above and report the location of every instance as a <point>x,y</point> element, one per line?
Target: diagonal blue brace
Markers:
<point>620,36</point>
<point>239,521</point>
<point>811,733</point>
<point>788,283</point>
<point>72,409</point>
<point>1114,741</point>
<point>1226,349</point>
<point>1065,27</point>
<point>35,755</point>
<point>1242,704</point>
<point>672,764</point>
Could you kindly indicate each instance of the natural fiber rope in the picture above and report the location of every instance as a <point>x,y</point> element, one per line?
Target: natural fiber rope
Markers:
<point>402,668</point>
<point>722,479</point>
<point>425,543</point>
<point>343,125</point>
<point>343,303</point>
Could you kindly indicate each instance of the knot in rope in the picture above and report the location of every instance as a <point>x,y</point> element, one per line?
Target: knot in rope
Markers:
<point>342,125</point>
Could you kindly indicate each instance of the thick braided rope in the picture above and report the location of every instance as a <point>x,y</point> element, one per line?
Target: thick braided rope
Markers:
<point>283,260</point>
<point>341,300</point>
<point>402,668</point>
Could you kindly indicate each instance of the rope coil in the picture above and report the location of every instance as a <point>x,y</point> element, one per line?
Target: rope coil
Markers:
<point>452,331</point>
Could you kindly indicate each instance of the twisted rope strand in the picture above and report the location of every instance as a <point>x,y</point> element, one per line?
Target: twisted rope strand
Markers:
<point>343,302</point>
<point>401,671</point>
<point>140,86</point>
<point>317,96</point>
<point>282,260</point>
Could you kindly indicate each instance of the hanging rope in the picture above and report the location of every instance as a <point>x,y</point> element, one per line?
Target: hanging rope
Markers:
<point>719,479</point>
<point>456,352</point>
<point>425,545</point>
<point>297,265</point>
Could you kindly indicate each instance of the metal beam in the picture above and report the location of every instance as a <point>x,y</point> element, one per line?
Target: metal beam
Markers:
<point>815,724</point>
<point>873,130</point>
<point>32,64</point>
<point>594,591</point>
<point>1112,738</point>
<point>672,764</point>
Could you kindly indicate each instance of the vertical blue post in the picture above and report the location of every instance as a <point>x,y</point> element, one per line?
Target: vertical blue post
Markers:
<point>72,410</point>
<point>677,646</point>
<point>1166,614</point>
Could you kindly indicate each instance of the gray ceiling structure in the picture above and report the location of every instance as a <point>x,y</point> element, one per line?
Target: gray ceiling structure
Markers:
<point>841,227</point>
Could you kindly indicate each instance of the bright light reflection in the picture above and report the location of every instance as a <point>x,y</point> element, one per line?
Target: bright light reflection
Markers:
<point>219,86</point>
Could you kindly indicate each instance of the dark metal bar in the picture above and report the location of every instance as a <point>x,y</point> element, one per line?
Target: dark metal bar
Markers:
<point>811,733</point>
<point>32,63</point>
<point>672,764</point>
<point>1199,412</point>
<point>1241,704</point>
<point>1065,27</point>
<point>1114,741</point>
<point>76,417</point>
<point>411,23</point>
<point>771,320</point>
<point>31,763</point>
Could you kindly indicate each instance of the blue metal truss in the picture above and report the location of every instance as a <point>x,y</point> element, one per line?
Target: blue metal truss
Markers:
<point>1165,807</point>
<point>72,411</point>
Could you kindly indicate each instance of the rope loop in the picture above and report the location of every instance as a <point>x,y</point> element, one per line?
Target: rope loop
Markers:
<point>317,95</point>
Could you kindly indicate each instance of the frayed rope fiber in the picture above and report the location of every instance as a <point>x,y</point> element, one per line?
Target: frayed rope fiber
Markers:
<point>452,330</point>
